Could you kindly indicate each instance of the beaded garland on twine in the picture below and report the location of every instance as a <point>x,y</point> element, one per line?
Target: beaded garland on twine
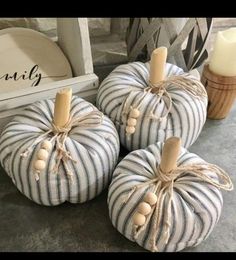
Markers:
<point>132,120</point>
<point>29,153</point>
<point>42,156</point>
<point>60,134</point>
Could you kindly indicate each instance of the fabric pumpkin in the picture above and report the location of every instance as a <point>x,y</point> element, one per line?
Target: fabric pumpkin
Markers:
<point>124,88</point>
<point>194,210</point>
<point>94,149</point>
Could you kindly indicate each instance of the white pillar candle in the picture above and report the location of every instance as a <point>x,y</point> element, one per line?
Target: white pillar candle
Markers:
<point>223,58</point>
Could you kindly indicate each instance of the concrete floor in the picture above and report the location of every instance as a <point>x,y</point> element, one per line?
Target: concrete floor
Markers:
<point>26,226</point>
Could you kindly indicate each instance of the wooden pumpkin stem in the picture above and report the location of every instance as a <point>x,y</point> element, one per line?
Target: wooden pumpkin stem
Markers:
<point>170,153</point>
<point>157,65</point>
<point>62,107</point>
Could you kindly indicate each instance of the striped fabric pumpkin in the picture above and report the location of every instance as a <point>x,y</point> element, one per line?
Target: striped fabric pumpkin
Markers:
<point>124,87</point>
<point>94,149</point>
<point>195,208</point>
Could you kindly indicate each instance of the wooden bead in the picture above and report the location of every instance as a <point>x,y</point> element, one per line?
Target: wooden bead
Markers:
<point>39,165</point>
<point>47,145</point>
<point>42,154</point>
<point>144,208</point>
<point>130,129</point>
<point>150,198</point>
<point>135,113</point>
<point>139,219</point>
<point>132,122</point>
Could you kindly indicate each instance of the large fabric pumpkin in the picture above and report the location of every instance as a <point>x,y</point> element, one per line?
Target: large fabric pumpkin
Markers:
<point>185,220</point>
<point>126,88</point>
<point>92,147</point>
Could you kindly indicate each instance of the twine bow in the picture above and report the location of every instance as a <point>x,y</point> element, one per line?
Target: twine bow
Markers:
<point>182,81</point>
<point>88,120</point>
<point>164,184</point>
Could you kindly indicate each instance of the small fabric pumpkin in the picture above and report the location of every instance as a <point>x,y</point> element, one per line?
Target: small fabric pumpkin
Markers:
<point>145,111</point>
<point>51,164</point>
<point>166,200</point>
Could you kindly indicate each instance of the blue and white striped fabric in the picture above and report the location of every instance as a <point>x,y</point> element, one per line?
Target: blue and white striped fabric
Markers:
<point>124,86</point>
<point>196,205</point>
<point>95,149</point>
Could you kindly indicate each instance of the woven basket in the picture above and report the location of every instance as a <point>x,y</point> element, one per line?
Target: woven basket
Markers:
<point>187,48</point>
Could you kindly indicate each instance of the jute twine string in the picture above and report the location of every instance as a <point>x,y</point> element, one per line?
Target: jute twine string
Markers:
<point>88,120</point>
<point>163,187</point>
<point>182,81</point>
